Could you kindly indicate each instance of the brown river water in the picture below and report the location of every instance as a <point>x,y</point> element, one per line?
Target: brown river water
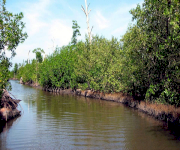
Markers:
<point>68,122</point>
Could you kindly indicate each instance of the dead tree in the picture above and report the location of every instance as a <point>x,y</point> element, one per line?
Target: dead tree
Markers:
<point>87,19</point>
<point>28,57</point>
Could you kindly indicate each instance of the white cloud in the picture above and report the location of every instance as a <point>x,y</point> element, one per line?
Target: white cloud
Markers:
<point>33,24</point>
<point>126,8</point>
<point>120,30</point>
<point>60,31</point>
<point>41,30</point>
<point>101,21</point>
<point>44,22</point>
<point>33,14</point>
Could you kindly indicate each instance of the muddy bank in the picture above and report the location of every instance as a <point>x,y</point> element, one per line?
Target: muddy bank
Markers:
<point>13,79</point>
<point>30,83</point>
<point>8,107</point>
<point>167,113</point>
<point>59,90</point>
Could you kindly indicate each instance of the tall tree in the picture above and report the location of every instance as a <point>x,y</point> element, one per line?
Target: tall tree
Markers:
<point>11,34</point>
<point>28,56</point>
<point>38,52</point>
<point>154,44</point>
<point>39,59</point>
<point>11,31</point>
<point>15,68</point>
<point>76,32</point>
<point>87,19</point>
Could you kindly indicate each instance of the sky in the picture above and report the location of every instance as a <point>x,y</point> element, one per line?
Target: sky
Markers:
<point>48,23</point>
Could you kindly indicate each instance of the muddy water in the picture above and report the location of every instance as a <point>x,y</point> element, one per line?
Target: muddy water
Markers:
<point>69,122</point>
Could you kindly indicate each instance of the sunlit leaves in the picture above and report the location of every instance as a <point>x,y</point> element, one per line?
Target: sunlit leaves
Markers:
<point>11,34</point>
<point>150,58</point>
<point>76,32</point>
<point>98,64</point>
<point>145,62</point>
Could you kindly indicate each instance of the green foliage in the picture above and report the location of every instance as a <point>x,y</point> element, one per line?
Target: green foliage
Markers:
<point>152,48</point>
<point>11,34</point>
<point>98,64</point>
<point>4,74</point>
<point>94,66</point>
<point>76,32</point>
<point>38,52</point>
<point>14,72</point>
<point>11,28</point>
<point>144,63</point>
<point>15,68</point>
<point>28,72</point>
<point>58,69</point>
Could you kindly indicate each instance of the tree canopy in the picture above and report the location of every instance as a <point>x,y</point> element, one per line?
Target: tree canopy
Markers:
<point>38,52</point>
<point>76,32</point>
<point>153,49</point>
<point>145,62</point>
<point>11,35</point>
<point>11,30</point>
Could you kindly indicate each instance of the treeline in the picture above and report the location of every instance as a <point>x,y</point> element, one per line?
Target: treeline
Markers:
<point>93,66</point>
<point>145,62</point>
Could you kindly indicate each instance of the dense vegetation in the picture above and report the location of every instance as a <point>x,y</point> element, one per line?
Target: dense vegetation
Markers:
<point>11,34</point>
<point>144,63</point>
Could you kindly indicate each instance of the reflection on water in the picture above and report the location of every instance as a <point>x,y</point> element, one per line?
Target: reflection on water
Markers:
<point>69,122</point>
<point>4,129</point>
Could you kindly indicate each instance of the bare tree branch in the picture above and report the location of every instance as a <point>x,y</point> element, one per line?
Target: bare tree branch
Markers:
<point>87,19</point>
<point>91,28</point>
<point>89,11</point>
<point>83,9</point>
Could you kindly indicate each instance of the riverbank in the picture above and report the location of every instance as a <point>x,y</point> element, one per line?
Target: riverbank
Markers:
<point>76,122</point>
<point>30,83</point>
<point>8,107</point>
<point>166,113</point>
<point>13,78</point>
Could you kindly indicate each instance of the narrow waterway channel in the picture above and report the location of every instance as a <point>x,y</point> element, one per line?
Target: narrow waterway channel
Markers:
<point>70,122</point>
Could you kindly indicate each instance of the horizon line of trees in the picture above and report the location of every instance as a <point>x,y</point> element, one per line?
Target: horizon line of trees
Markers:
<point>145,62</point>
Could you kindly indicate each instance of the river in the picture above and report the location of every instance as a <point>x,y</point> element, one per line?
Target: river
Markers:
<point>52,121</point>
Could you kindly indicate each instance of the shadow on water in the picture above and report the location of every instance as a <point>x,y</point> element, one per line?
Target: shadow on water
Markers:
<point>170,130</point>
<point>60,106</point>
<point>5,126</point>
<point>53,121</point>
<point>4,129</point>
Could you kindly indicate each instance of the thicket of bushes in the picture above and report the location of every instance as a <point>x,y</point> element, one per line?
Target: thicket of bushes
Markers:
<point>145,62</point>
